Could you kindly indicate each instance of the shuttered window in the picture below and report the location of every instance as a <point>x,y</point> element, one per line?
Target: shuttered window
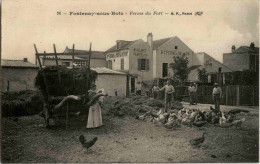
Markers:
<point>122,64</point>
<point>147,64</point>
<point>143,64</point>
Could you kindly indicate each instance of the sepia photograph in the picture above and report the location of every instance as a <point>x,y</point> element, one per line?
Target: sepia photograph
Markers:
<point>112,81</point>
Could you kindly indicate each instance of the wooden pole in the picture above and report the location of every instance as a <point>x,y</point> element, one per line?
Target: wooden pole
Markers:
<point>38,58</point>
<point>88,80</point>
<point>56,59</point>
<point>73,67</point>
<point>73,56</point>
<point>46,93</point>
<point>89,54</point>
<point>43,59</point>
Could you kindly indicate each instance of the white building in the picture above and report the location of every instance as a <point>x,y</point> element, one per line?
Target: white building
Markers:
<point>147,60</point>
<point>113,82</point>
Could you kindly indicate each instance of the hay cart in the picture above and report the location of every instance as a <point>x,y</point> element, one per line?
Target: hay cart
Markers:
<point>58,83</point>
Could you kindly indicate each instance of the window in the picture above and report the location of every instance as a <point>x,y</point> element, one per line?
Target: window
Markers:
<point>176,47</point>
<point>143,64</point>
<point>66,64</point>
<point>80,63</point>
<point>122,64</point>
<point>109,64</point>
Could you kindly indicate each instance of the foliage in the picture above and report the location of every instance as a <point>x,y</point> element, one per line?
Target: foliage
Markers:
<point>72,81</point>
<point>181,69</point>
<point>21,103</point>
<point>202,75</point>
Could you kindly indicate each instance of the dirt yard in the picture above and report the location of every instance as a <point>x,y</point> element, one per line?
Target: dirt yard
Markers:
<point>128,140</point>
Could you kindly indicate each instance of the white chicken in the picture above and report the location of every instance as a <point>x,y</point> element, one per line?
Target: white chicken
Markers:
<point>222,119</point>
<point>238,123</point>
<point>160,112</point>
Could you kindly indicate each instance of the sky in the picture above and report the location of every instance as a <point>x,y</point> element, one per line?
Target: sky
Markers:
<point>222,24</point>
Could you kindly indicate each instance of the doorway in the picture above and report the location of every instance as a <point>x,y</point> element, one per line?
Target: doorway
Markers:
<point>165,70</point>
<point>132,84</point>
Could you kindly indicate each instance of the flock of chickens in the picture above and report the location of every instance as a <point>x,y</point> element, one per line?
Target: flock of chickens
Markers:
<point>194,117</point>
<point>185,116</point>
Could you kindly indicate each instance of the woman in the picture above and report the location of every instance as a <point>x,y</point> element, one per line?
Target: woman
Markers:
<point>94,116</point>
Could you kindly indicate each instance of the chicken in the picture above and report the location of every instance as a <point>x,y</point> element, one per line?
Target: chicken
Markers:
<point>171,125</point>
<point>168,125</point>
<point>238,123</point>
<point>158,120</point>
<point>230,117</point>
<point>88,144</point>
<point>199,123</point>
<point>160,112</point>
<point>193,114</point>
<point>212,109</point>
<point>208,116</point>
<point>166,115</point>
<point>201,115</point>
<point>155,120</point>
<point>154,115</point>
<point>235,111</point>
<point>198,141</point>
<point>142,117</point>
<point>222,119</point>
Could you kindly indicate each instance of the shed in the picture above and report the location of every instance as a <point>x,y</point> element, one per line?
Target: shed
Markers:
<point>115,83</point>
<point>18,75</point>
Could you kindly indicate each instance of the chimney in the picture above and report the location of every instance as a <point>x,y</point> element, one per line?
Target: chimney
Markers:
<point>252,45</point>
<point>150,39</point>
<point>118,44</point>
<point>25,60</point>
<point>233,48</point>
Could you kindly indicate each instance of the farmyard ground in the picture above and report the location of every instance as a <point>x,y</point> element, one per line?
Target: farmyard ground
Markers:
<point>129,140</point>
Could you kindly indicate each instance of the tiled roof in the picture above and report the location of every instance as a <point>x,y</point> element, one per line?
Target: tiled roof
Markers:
<point>94,54</point>
<point>66,57</point>
<point>247,49</point>
<point>123,45</point>
<point>104,70</point>
<point>17,63</point>
<point>158,43</point>
<point>126,44</point>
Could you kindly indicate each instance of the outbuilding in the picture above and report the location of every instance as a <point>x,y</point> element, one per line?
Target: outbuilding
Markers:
<point>115,83</point>
<point>18,75</point>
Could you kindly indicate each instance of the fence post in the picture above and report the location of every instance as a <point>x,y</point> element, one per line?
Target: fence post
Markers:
<point>237,87</point>
<point>227,95</point>
<point>253,89</point>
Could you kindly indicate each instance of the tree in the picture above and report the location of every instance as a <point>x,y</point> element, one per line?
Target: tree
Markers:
<point>181,69</point>
<point>202,75</point>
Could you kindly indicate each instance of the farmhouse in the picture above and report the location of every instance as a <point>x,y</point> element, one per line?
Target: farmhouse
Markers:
<point>147,60</point>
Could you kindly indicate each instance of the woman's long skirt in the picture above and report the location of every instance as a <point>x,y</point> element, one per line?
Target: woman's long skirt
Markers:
<point>94,116</point>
